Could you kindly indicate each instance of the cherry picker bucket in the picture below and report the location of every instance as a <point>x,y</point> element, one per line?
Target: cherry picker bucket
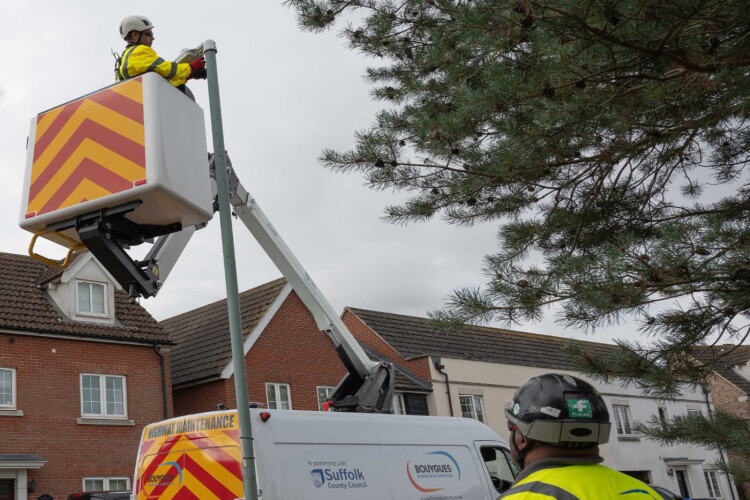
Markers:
<point>139,143</point>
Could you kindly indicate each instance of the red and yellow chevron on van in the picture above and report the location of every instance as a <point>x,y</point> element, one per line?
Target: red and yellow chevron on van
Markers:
<point>191,457</point>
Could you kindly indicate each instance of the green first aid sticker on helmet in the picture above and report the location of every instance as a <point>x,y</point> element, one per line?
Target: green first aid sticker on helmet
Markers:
<point>579,408</point>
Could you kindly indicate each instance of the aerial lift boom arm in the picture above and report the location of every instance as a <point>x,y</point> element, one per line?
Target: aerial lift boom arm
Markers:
<point>368,386</point>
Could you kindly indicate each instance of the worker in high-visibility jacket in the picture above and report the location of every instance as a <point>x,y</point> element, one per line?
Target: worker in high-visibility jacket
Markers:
<point>557,423</point>
<point>139,57</point>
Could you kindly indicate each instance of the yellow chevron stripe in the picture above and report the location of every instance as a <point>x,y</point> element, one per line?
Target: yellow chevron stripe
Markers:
<point>97,113</point>
<point>198,488</point>
<point>217,439</point>
<point>86,189</point>
<point>173,488</point>
<point>217,470</point>
<point>132,89</point>
<point>49,117</point>
<point>99,154</point>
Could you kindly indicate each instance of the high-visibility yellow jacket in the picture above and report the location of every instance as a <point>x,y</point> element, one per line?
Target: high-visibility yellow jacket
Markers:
<point>139,59</point>
<point>561,479</point>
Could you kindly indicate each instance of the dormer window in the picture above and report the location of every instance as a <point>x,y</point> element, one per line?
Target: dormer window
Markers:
<point>91,298</point>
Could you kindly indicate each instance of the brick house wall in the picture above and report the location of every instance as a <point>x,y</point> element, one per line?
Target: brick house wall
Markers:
<point>53,329</point>
<point>202,397</point>
<point>48,393</point>
<point>291,350</point>
<point>729,397</point>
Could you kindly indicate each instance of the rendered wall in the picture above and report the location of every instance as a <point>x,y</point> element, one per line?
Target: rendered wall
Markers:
<point>497,383</point>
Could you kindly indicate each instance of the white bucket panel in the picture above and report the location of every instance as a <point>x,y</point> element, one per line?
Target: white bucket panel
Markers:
<point>107,149</point>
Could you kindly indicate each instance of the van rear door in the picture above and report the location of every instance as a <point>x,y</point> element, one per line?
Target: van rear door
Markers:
<point>191,457</point>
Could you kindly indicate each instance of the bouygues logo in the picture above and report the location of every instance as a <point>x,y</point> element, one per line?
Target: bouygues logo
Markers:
<point>433,471</point>
<point>165,479</point>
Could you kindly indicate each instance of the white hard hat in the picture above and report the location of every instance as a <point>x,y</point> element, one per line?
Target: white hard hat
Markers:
<point>134,23</point>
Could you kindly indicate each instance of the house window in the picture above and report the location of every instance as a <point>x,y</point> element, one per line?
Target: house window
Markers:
<point>278,397</point>
<point>622,419</point>
<point>7,388</point>
<point>662,418</point>
<point>106,483</point>
<point>103,396</point>
<point>324,394</point>
<point>397,405</point>
<point>471,407</point>
<point>91,298</point>
<point>694,412</point>
<point>713,483</point>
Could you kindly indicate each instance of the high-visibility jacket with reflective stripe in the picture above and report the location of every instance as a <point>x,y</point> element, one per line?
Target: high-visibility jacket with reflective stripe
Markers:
<point>579,482</point>
<point>139,59</point>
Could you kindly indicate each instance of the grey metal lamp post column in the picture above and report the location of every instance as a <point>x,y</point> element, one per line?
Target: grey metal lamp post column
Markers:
<point>250,484</point>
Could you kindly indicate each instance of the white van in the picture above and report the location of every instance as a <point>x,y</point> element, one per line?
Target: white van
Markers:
<point>323,455</point>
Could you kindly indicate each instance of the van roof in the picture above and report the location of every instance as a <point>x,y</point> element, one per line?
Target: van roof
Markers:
<point>289,426</point>
<point>295,426</point>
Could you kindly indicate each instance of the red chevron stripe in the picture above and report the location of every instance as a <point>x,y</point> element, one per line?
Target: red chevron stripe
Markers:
<point>169,443</point>
<point>158,490</point>
<point>99,134</point>
<point>87,169</point>
<point>60,121</point>
<point>234,434</point>
<point>219,455</point>
<point>146,444</point>
<point>119,104</point>
<point>186,494</point>
<point>208,480</point>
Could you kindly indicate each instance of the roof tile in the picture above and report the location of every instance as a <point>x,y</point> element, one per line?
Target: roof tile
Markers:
<point>27,307</point>
<point>726,357</point>
<point>414,337</point>
<point>203,346</point>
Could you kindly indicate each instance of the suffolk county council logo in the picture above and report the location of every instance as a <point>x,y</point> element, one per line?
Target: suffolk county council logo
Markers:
<point>433,471</point>
<point>343,478</point>
<point>317,477</point>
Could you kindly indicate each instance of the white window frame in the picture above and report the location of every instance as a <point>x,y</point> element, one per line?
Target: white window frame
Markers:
<point>12,405</point>
<point>103,396</point>
<point>474,398</point>
<point>663,416</point>
<point>105,482</point>
<point>694,411</point>
<point>397,405</point>
<point>620,427</point>
<point>105,293</point>
<point>329,391</point>
<point>276,386</point>
<point>712,483</point>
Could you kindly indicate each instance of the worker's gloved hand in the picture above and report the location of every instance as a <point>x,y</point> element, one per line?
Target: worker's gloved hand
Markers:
<point>198,64</point>
<point>199,74</point>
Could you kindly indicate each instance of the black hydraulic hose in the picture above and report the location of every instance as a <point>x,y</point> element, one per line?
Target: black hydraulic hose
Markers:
<point>163,380</point>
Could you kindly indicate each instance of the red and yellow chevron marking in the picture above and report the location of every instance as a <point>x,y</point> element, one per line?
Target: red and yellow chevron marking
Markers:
<point>89,148</point>
<point>202,465</point>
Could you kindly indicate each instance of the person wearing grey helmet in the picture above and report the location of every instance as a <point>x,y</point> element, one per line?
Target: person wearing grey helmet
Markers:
<point>557,423</point>
<point>139,57</point>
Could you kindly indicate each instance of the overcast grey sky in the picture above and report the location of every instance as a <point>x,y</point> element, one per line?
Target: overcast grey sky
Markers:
<point>285,95</point>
